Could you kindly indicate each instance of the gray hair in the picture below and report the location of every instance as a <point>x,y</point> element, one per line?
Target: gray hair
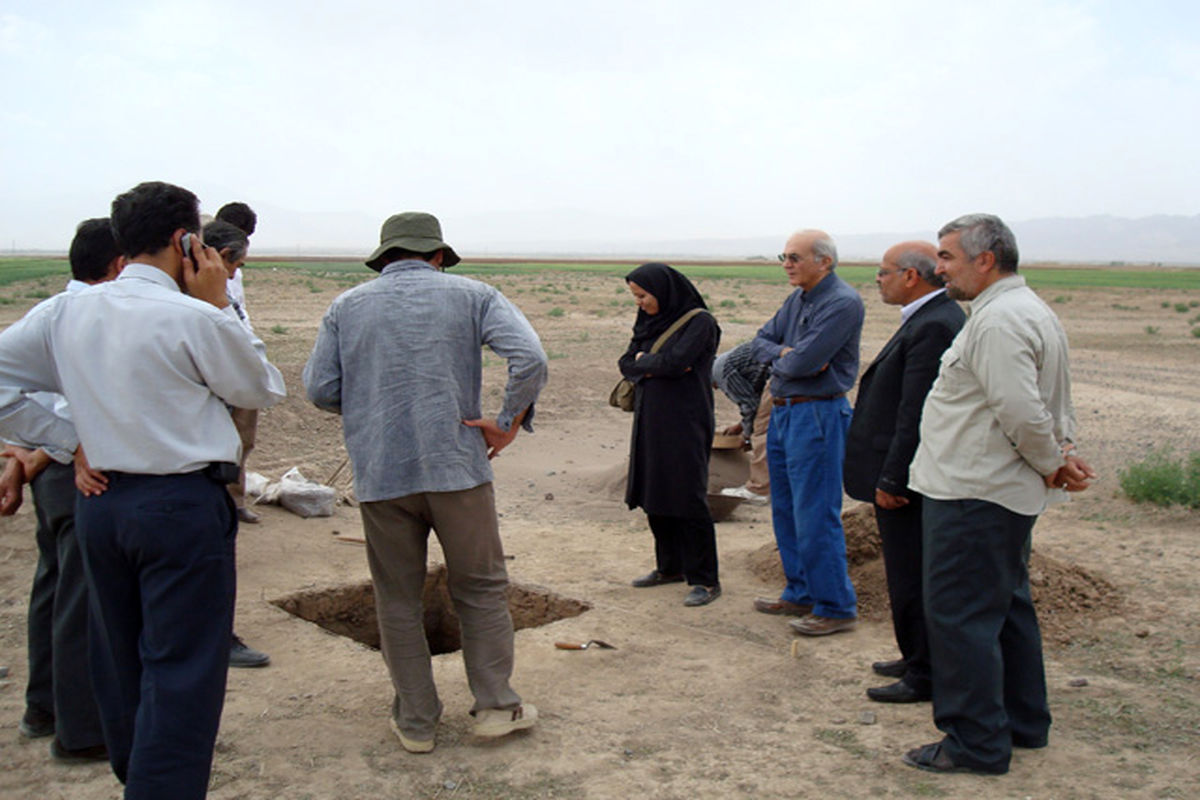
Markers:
<point>923,263</point>
<point>823,247</point>
<point>982,233</point>
<point>221,234</point>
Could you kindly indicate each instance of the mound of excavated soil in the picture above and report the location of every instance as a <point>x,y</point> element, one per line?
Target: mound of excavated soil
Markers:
<point>1067,596</point>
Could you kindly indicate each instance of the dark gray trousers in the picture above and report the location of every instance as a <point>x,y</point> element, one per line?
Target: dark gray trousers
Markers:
<point>59,680</point>
<point>989,683</point>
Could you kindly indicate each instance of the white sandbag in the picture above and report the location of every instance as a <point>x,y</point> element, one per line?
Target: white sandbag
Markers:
<point>305,498</point>
<point>256,483</point>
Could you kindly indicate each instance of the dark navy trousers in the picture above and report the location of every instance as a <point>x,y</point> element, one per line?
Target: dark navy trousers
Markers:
<point>159,554</point>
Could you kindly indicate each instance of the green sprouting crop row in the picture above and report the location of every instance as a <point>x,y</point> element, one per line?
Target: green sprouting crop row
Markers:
<point>19,269</point>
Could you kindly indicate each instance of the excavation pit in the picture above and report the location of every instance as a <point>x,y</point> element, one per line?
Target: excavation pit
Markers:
<point>349,610</point>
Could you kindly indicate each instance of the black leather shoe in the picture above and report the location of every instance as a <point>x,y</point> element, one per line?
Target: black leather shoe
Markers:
<point>1030,743</point>
<point>898,692</point>
<point>36,723</point>
<point>82,755</point>
<point>890,669</point>
<point>702,595</point>
<point>242,655</point>
<point>656,578</point>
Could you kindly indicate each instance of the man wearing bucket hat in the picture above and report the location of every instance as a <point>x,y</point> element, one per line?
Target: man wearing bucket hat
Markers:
<point>400,359</point>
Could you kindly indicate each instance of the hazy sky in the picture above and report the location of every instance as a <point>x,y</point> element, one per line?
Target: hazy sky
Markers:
<point>559,120</point>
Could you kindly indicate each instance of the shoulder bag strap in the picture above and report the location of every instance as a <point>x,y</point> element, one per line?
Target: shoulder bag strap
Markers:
<point>675,326</point>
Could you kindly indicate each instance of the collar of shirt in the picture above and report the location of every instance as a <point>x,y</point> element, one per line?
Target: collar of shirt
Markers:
<point>911,308</point>
<point>824,285</point>
<point>996,289</point>
<point>406,264</point>
<point>75,286</point>
<point>145,272</point>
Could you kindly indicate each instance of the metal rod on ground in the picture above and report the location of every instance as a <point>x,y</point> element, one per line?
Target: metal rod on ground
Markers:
<point>333,476</point>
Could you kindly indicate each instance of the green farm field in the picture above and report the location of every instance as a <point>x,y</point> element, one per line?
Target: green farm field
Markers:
<point>14,270</point>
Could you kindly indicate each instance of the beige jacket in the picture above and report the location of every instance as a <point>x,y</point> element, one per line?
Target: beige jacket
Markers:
<point>999,413</point>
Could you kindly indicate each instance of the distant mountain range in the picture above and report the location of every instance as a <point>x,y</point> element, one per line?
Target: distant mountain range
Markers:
<point>1162,239</point>
<point>1172,240</point>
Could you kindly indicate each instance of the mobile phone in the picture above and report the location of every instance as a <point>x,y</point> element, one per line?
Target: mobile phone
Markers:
<point>185,244</point>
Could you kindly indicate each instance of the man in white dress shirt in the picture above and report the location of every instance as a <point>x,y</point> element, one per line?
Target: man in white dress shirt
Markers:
<point>148,363</point>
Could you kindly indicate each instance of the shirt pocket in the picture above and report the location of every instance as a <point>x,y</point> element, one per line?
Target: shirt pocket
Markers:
<point>955,376</point>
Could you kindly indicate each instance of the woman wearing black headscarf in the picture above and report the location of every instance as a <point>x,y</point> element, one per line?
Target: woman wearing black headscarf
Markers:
<point>673,429</point>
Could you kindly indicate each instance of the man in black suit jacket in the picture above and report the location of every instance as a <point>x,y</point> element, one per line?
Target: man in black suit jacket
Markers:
<point>881,443</point>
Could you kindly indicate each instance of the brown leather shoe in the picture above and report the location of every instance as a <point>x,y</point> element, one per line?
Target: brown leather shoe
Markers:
<point>767,605</point>
<point>812,625</point>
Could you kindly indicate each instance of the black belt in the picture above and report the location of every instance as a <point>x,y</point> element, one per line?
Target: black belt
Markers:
<point>796,399</point>
<point>222,472</point>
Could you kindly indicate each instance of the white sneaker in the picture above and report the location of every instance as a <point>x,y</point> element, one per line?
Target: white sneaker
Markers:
<point>492,722</point>
<point>411,745</point>
<point>745,494</point>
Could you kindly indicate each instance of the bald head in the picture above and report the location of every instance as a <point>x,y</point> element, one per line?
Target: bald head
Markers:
<point>808,256</point>
<point>907,272</point>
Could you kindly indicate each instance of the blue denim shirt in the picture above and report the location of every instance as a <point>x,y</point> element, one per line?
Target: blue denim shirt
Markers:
<point>400,358</point>
<point>823,327</point>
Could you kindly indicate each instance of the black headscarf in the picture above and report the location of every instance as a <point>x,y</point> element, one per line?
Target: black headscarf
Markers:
<point>675,295</point>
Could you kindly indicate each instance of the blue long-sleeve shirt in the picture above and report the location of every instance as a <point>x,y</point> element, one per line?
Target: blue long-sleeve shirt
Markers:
<point>823,327</point>
<point>400,359</point>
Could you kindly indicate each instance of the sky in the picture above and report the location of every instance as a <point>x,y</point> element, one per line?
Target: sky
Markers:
<point>534,123</point>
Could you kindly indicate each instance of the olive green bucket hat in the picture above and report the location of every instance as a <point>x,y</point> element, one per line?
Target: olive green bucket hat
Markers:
<point>415,231</point>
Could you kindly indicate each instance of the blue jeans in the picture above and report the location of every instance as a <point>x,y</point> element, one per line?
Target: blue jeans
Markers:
<point>806,444</point>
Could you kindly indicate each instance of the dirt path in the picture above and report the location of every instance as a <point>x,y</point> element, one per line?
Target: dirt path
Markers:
<point>694,702</point>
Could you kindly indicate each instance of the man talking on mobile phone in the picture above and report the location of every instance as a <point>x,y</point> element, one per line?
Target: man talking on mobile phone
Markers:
<point>148,363</point>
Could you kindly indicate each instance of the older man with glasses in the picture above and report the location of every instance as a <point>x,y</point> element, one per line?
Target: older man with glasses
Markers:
<point>812,346</point>
<point>882,440</point>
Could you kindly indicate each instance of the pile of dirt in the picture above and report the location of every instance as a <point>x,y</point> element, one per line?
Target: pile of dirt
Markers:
<point>1067,596</point>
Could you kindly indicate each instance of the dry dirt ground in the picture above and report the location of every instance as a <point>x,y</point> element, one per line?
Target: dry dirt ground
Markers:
<point>711,702</point>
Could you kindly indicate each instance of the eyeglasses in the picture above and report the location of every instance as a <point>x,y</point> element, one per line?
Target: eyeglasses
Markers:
<point>790,258</point>
<point>882,273</point>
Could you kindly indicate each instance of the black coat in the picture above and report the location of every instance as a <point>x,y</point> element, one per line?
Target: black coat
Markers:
<point>885,428</point>
<point>672,420</point>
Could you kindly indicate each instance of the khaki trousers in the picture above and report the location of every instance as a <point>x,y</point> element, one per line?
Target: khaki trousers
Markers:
<point>246,422</point>
<point>759,481</point>
<point>397,534</point>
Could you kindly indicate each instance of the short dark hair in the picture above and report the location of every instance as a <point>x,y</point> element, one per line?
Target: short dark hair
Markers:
<point>93,249</point>
<point>239,214</point>
<point>146,217</point>
<point>221,234</point>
